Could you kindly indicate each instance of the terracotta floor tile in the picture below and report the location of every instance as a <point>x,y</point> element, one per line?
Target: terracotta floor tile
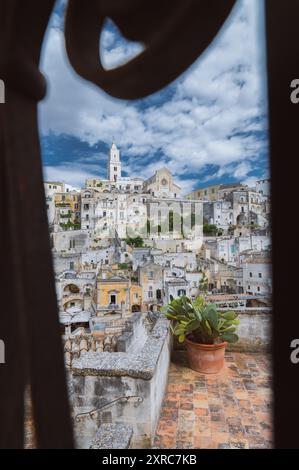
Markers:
<point>228,410</point>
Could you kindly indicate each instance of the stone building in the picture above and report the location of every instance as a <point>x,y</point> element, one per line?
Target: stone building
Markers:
<point>67,211</point>
<point>75,291</point>
<point>209,193</point>
<point>124,206</point>
<point>116,295</point>
<point>257,274</point>
<point>150,278</point>
<point>240,207</point>
<point>162,185</point>
<point>52,188</point>
<point>263,187</point>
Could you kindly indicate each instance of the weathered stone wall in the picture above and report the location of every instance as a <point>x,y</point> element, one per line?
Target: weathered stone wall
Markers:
<point>66,261</point>
<point>135,335</point>
<point>254,333</point>
<point>81,240</point>
<point>98,379</point>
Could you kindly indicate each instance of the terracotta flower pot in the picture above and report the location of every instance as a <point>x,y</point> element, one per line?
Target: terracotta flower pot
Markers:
<point>206,358</point>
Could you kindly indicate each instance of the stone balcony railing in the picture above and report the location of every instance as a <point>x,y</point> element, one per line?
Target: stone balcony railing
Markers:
<point>75,346</point>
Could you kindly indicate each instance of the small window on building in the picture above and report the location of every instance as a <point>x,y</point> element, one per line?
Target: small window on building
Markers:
<point>250,274</point>
<point>260,275</point>
<point>72,265</point>
<point>258,289</point>
<point>150,292</point>
<point>248,287</point>
<point>151,275</point>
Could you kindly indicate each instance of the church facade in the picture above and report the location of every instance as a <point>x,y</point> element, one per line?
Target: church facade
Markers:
<point>127,205</point>
<point>161,184</point>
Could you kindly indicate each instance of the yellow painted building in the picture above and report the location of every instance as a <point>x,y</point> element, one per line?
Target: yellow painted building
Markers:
<point>68,209</point>
<point>70,199</point>
<point>117,294</point>
<point>207,194</point>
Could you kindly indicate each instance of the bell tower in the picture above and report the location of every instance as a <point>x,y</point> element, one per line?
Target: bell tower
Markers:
<point>114,164</point>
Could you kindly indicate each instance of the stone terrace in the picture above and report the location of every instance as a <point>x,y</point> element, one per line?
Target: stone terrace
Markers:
<point>228,410</point>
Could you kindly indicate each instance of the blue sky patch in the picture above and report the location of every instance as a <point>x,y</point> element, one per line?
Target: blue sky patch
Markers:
<point>209,126</point>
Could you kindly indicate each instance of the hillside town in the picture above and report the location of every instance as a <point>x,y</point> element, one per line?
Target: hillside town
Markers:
<point>108,264</point>
<point>125,247</point>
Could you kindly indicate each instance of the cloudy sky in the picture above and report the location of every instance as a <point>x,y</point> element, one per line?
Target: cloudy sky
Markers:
<point>209,126</point>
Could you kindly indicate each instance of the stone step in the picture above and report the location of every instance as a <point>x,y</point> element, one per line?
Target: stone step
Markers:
<point>112,436</point>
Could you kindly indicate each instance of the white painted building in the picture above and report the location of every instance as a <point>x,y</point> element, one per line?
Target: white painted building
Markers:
<point>263,187</point>
<point>52,188</point>
<point>257,276</point>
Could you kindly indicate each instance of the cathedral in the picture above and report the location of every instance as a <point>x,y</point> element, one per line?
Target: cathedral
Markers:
<point>160,185</point>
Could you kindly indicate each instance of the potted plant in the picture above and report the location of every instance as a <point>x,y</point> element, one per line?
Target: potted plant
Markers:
<point>205,331</point>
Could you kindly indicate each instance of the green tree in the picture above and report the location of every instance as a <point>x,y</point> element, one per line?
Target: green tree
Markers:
<point>210,230</point>
<point>136,242</point>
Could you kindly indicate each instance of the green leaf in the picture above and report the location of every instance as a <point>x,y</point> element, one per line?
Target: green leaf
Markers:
<point>170,316</point>
<point>229,329</point>
<point>199,303</point>
<point>208,327</point>
<point>193,325</point>
<point>230,315</point>
<point>182,338</point>
<point>230,337</point>
<point>212,317</point>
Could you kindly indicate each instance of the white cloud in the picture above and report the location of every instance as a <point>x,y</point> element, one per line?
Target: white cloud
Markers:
<point>67,174</point>
<point>250,181</point>
<point>211,118</point>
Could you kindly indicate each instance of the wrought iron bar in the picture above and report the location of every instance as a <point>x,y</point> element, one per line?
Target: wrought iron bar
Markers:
<point>92,412</point>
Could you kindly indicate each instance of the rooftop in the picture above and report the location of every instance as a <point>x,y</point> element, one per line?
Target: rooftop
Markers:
<point>228,410</point>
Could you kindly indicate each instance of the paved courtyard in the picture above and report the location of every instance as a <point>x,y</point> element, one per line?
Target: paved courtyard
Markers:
<point>230,410</point>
